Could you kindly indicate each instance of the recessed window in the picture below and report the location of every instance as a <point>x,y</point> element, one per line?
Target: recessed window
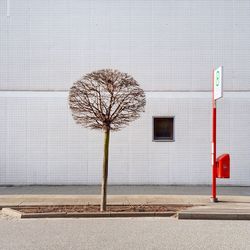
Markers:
<point>163,128</point>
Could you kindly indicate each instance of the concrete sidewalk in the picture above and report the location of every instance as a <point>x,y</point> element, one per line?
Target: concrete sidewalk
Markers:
<point>236,206</point>
<point>124,190</point>
<point>234,210</point>
<point>228,207</point>
<point>30,200</point>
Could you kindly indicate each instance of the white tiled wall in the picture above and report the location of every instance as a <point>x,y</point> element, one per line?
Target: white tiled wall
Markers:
<point>169,47</point>
<point>165,45</point>
<point>41,144</point>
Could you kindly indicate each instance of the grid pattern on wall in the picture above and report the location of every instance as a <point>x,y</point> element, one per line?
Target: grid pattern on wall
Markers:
<point>165,45</point>
<point>169,47</point>
<point>41,144</point>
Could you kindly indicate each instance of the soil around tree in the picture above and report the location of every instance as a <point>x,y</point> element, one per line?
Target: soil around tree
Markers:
<point>96,208</point>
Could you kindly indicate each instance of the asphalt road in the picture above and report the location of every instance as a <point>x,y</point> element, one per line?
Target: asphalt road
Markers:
<point>124,233</point>
<point>123,190</point>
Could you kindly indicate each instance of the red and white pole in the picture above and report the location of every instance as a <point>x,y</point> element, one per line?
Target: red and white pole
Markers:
<point>213,156</point>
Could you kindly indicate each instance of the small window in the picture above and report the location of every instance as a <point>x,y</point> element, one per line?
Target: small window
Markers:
<point>163,128</point>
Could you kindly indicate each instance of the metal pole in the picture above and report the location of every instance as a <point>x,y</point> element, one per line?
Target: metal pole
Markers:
<point>214,167</point>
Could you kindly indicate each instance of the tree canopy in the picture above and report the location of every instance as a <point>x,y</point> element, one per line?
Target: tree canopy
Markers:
<point>106,99</point>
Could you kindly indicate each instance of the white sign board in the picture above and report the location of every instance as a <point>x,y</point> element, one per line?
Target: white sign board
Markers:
<point>218,91</point>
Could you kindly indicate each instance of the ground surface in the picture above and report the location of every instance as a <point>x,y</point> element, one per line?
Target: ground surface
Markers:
<point>130,190</point>
<point>122,233</point>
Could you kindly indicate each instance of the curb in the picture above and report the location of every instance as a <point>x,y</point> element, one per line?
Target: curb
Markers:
<point>213,216</point>
<point>16,214</point>
<point>11,212</point>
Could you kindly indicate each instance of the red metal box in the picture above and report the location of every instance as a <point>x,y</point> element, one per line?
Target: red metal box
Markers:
<point>223,166</point>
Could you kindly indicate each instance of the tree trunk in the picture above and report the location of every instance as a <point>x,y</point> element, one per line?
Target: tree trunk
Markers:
<point>105,170</point>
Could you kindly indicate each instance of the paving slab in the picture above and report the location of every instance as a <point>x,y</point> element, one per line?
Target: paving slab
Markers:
<point>218,211</point>
<point>29,200</point>
<point>224,201</point>
<point>119,199</point>
<point>124,190</point>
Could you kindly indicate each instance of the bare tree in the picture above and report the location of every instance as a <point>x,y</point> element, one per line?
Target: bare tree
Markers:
<point>106,99</point>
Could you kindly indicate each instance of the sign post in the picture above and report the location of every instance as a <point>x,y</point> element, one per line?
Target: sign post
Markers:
<point>217,93</point>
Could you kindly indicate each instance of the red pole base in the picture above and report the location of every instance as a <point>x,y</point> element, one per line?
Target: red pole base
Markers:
<point>213,200</point>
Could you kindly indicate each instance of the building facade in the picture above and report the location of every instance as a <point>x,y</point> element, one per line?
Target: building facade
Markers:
<point>169,47</point>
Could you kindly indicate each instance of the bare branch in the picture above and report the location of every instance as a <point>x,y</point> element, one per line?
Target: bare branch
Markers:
<point>106,99</point>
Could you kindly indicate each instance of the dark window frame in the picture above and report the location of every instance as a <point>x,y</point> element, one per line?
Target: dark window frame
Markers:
<point>153,130</point>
